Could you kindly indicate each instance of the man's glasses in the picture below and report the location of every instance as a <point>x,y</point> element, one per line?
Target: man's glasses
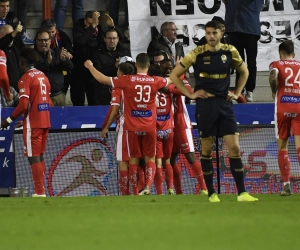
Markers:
<point>43,40</point>
<point>111,38</point>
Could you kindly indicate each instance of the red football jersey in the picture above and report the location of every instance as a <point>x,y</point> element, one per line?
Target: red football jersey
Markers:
<point>165,111</point>
<point>117,100</point>
<point>4,81</point>
<point>288,86</point>
<point>139,92</point>
<point>35,86</point>
<point>181,115</point>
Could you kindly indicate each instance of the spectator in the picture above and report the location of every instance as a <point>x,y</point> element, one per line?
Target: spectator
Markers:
<point>60,12</point>
<point>167,42</point>
<point>225,37</point>
<point>9,103</point>
<point>22,8</point>
<point>243,26</point>
<point>52,61</point>
<point>61,40</point>
<point>12,54</point>
<point>4,81</point>
<point>106,60</point>
<point>7,17</point>
<point>87,37</point>
<point>158,57</point>
<point>114,13</point>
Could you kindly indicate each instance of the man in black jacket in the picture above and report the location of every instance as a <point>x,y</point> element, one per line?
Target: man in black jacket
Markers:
<point>106,60</point>
<point>61,40</point>
<point>167,42</point>
<point>12,54</point>
<point>52,61</point>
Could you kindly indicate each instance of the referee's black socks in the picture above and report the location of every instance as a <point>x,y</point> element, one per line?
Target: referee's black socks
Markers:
<point>237,171</point>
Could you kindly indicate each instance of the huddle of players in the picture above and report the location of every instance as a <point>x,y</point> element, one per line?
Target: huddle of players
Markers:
<point>174,136</point>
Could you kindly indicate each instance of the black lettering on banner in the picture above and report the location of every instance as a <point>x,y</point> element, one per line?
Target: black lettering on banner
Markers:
<point>279,5</point>
<point>286,32</point>
<point>165,6</point>
<point>212,10</point>
<point>189,7</point>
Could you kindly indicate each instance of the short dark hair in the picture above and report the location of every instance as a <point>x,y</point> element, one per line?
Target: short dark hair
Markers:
<point>41,32</point>
<point>89,14</point>
<point>218,19</point>
<point>142,60</point>
<point>213,24</point>
<point>287,47</point>
<point>154,70</point>
<point>29,55</point>
<point>167,60</point>
<point>127,68</point>
<point>47,24</point>
<point>111,29</point>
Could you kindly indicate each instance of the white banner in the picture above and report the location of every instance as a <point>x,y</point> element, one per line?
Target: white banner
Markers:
<point>279,21</point>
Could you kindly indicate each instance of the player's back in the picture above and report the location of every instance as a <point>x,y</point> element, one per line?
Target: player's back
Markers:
<point>288,87</point>
<point>165,111</point>
<point>35,85</point>
<point>181,116</point>
<point>117,100</point>
<point>139,100</point>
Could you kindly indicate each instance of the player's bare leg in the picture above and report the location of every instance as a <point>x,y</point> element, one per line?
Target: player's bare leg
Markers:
<point>38,170</point>
<point>236,167</point>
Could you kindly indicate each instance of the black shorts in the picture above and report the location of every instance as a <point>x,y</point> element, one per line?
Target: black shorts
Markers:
<point>215,117</point>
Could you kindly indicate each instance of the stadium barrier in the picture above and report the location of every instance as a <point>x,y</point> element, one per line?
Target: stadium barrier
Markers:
<point>79,163</point>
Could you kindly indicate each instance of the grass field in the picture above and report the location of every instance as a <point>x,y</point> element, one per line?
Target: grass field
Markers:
<point>150,222</point>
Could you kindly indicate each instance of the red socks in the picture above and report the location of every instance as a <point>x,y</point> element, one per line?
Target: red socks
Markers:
<point>150,173</point>
<point>169,175</point>
<point>124,182</point>
<point>159,180</point>
<point>197,168</point>
<point>284,165</point>
<point>298,153</point>
<point>38,170</point>
<point>177,179</point>
<point>133,178</point>
<point>141,179</point>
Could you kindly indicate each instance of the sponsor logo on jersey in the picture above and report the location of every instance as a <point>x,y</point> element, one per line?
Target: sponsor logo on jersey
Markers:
<point>290,99</point>
<point>141,113</point>
<point>142,106</point>
<point>22,90</point>
<point>224,58</point>
<point>43,107</point>
<point>162,118</point>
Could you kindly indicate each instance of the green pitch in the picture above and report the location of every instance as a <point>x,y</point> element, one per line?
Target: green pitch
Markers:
<point>150,222</point>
